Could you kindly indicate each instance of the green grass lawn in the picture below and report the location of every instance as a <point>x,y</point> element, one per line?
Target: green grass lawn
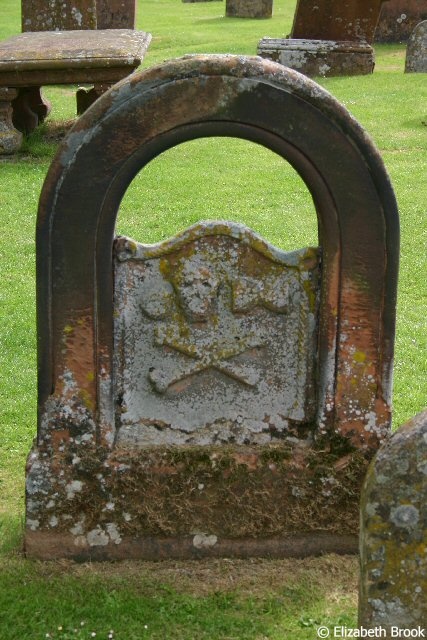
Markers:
<point>213,178</point>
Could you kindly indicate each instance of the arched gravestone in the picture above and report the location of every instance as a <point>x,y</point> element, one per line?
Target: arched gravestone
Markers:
<point>210,394</point>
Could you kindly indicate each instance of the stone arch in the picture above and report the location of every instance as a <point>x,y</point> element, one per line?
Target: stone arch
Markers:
<point>260,101</point>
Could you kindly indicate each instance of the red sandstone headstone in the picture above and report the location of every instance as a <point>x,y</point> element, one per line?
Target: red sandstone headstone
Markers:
<point>353,20</point>
<point>210,394</point>
<point>328,38</point>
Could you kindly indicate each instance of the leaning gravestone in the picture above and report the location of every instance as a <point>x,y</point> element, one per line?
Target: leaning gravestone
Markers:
<point>249,8</point>
<point>398,19</point>
<point>210,394</point>
<point>393,536</point>
<point>416,51</point>
<point>328,38</point>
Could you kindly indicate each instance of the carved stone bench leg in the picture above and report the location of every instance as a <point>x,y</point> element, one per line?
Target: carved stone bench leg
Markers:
<point>10,138</point>
<point>86,97</point>
<point>30,108</point>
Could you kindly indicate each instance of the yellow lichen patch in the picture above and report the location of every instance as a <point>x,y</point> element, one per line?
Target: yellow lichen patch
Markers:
<point>359,356</point>
<point>87,400</point>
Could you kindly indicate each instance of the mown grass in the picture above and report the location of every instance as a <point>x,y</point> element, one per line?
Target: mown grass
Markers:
<point>203,179</point>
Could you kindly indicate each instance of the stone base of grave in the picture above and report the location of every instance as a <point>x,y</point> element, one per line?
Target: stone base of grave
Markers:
<point>319,57</point>
<point>191,502</point>
<point>48,546</point>
<point>249,8</point>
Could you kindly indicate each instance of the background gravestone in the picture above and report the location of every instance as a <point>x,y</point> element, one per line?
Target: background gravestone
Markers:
<point>40,15</point>
<point>116,14</point>
<point>210,394</point>
<point>393,536</point>
<point>398,19</point>
<point>328,38</point>
<point>416,51</point>
<point>249,8</point>
<point>342,20</point>
<point>60,15</point>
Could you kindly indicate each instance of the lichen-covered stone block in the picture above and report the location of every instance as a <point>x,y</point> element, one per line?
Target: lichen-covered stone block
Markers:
<point>393,536</point>
<point>210,394</point>
<point>319,57</point>
<point>416,52</point>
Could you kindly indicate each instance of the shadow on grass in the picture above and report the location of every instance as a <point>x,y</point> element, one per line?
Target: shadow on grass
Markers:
<point>45,139</point>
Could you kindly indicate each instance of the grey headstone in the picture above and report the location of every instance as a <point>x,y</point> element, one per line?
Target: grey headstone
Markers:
<point>393,536</point>
<point>416,52</point>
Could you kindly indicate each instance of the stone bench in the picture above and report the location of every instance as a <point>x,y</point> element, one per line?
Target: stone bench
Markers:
<point>34,59</point>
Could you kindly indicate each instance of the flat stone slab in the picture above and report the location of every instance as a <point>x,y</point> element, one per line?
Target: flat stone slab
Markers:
<point>62,57</point>
<point>319,57</point>
<point>31,60</point>
<point>416,52</point>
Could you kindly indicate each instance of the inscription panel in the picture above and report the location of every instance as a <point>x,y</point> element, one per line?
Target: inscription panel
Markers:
<point>215,336</point>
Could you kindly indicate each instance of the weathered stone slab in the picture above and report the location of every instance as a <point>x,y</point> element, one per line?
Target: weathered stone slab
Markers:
<point>115,14</point>
<point>57,15</point>
<point>416,51</point>
<point>210,395</point>
<point>33,59</point>
<point>398,19</point>
<point>249,8</point>
<point>393,537</point>
<point>69,51</point>
<point>215,338</point>
<point>319,57</point>
<point>345,20</point>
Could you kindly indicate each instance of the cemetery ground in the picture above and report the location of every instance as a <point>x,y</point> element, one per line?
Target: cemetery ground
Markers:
<point>205,179</point>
